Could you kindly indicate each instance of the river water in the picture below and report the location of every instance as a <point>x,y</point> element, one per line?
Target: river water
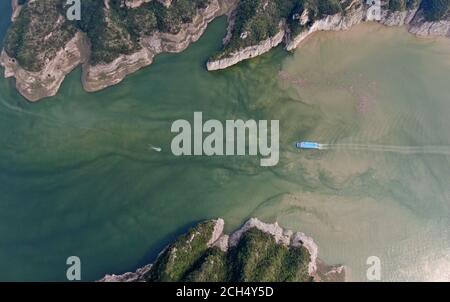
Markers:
<point>78,176</point>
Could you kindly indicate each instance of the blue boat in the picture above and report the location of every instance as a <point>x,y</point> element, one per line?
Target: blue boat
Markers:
<point>308,145</point>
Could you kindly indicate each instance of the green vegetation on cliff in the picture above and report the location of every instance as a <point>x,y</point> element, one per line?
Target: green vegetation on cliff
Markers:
<point>106,32</point>
<point>212,266</point>
<point>41,29</point>
<point>180,12</point>
<point>152,16</point>
<point>436,9</point>
<point>38,34</point>
<point>255,21</point>
<point>401,5</point>
<point>123,27</point>
<point>397,5</point>
<point>258,20</point>
<point>117,31</point>
<point>176,261</point>
<point>257,257</point>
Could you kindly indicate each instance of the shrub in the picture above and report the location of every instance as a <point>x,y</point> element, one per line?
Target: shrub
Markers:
<point>435,10</point>
<point>36,36</point>
<point>397,5</point>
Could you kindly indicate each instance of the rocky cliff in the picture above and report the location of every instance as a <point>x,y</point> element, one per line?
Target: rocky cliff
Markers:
<point>43,81</point>
<point>35,85</point>
<point>353,13</point>
<point>42,46</point>
<point>420,27</point>
<point>16,7</point>
<point>248,52</point>
<point>206,253</point>
<point>100,76</point>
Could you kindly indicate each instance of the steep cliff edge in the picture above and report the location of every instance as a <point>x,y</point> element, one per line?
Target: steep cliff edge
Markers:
<point>16,7</point>
<point>99,76</point>
<point>35,85</point>
<point>40,49</point>
<point>309,17</point>
<point>248,52</point>
<point>115,38</point>
<point>255,252</point>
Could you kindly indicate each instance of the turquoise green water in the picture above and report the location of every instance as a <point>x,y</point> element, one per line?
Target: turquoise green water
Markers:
<point>77,176</point>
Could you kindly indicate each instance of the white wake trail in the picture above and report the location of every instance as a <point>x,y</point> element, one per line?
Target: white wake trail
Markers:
<point>407,150</point>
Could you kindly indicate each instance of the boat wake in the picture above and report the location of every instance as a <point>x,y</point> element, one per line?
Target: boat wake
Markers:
<point>406,150</point>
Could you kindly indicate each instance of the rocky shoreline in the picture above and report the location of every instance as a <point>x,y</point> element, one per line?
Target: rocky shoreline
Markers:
<point>248,52</point>
<point>317,269</point>
<point>101,76</point>
<point>37,85</point>
<point>16,7</point>
<point>353,15</point>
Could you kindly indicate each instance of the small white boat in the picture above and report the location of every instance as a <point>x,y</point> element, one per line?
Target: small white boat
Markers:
<point>157,149</point>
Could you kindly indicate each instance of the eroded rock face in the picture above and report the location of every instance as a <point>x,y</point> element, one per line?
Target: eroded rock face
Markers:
<point>137,3</point>
<point>318,270</point>
<point>16,7</point>
<point>280,235</point>
<point>217,232</point>
<point>137,276</point>
<point>101,76</point>
<point>248,52</point>
<point>420,27</point>
<point>300,239</point>
<point>355,13</point>
<point>335,22</point>
<point>397,18</point>
<point>37,85</point>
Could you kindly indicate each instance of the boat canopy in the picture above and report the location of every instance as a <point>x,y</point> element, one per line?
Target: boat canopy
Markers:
<point>308,145</point>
